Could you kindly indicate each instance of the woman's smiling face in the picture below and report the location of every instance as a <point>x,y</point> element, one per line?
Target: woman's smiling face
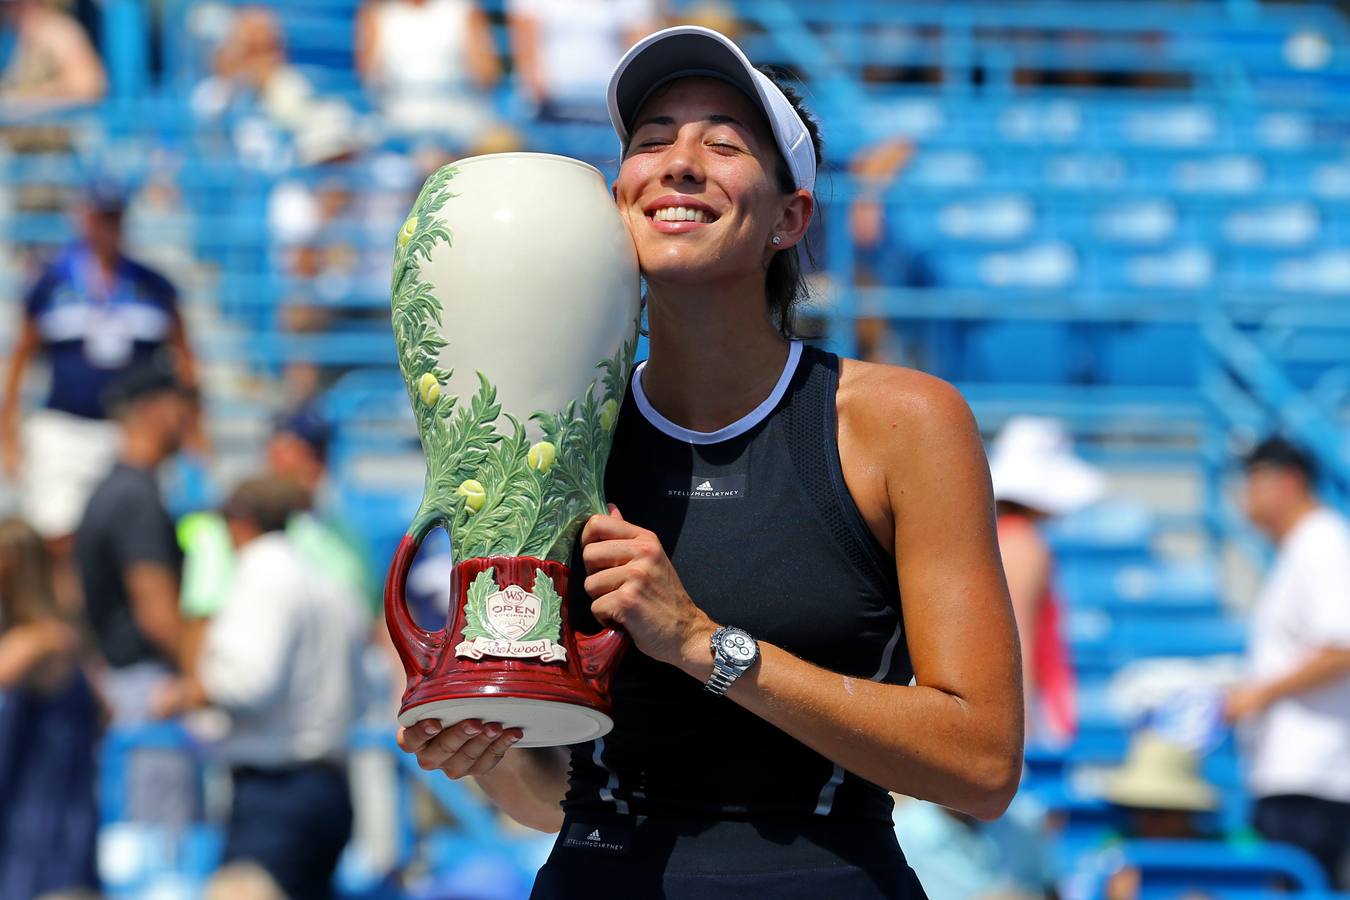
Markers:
<point>698,187</point>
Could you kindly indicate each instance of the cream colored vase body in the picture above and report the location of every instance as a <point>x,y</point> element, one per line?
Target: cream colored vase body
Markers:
<point>515,309</point>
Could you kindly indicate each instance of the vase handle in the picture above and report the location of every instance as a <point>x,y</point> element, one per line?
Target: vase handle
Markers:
<point>600,655</point>
<point>417,647</point>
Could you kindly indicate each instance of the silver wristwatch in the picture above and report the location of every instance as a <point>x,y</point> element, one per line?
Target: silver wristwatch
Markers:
<point>734,651</point>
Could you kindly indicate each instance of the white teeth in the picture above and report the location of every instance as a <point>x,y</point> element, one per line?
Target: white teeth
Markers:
<point>680,214</point>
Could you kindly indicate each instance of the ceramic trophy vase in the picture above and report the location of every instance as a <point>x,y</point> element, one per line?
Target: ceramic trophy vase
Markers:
<point>515,309</point>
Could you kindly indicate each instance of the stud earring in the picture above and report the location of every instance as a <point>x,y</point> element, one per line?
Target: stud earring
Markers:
<point>777,239</point>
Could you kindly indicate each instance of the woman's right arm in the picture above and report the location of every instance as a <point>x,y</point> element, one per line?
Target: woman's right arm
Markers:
<point>520,784</point>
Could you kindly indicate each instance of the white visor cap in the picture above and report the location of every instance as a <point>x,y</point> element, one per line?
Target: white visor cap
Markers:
<point>690,51</point>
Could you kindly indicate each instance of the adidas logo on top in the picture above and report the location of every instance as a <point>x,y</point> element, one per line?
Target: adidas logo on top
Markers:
<point>594,835</point>
<point>704,486</point>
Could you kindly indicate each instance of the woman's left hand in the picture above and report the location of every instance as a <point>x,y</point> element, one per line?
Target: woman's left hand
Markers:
<point>634,586</point>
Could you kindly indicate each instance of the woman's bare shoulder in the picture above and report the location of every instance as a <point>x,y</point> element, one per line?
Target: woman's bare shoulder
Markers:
<point>902,407</point>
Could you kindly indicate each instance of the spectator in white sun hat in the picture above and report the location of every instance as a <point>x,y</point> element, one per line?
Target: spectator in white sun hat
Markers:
<point>1037,477</point>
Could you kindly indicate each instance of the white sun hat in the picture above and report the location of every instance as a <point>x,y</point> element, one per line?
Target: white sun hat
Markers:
<point>689,50</point>
<point>1032,463</point>
<point>1158,774</point>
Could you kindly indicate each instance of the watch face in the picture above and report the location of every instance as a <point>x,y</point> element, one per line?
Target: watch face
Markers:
<point>738,647</point>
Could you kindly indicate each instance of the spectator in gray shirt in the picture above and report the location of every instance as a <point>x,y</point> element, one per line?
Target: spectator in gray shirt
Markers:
<point>282,659</point>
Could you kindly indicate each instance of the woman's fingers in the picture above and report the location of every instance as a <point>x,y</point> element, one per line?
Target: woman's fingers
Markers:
<point>607,528</point>
<point>458,763</point>
<point>441,748</point>
<point>602,555</point>
<point>495,751</point>
<point>474,751</point>
<point>465,748</point>
<point>605,581</point>
<point>415,737</point>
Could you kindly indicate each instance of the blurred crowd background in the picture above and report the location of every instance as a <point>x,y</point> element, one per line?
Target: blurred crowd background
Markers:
<point>1122,228</point>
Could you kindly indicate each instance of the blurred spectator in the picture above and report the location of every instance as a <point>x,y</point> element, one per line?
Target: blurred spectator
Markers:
<point>1036,476</point>
<point>1295,708</point>
<point>329,135</point>
<point>565,50</point>
<point>1159,790</point>
<point>158,223</point>
<point>48,731</point>
<point>94,314</point>
<point>270,100</point>
<point>875,168</point>
<point>251,65</point>
<point>427,64</point>
<point>283,659</point>
<point>297,452</point>
<point>51,65</point>
<point>47,67</point>
<point>314,216</point>
<point>959,857</point>
<point>1160,794</point>
<point>881,257</point>
<point>129,563</point>
<point>330,228</point>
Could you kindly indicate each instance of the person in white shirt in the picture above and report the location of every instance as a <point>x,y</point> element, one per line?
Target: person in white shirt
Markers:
<point>283,659</point>
<point>563,51</point>
<point>428,66</point>
<point>1295,709</point>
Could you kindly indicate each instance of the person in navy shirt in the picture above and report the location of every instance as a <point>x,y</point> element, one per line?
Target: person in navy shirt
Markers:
<point>92,314</point>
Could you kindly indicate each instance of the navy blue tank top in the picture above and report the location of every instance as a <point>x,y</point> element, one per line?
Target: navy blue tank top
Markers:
<point>761,528</point>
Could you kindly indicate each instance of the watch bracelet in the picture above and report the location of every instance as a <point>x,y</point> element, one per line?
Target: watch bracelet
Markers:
<point>720,681</point>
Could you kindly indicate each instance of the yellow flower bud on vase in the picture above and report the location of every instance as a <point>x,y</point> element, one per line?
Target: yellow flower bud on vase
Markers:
<point>541,456</point>
<point>474,496</point>
<point>429,389</point>
<point>609,410</point>
<point>406,233</point>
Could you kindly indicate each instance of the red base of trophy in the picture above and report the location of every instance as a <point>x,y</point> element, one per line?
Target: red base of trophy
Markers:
<point>507,654</point>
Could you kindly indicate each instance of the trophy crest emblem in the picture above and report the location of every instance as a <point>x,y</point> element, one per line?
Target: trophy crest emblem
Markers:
<point>512,622</point>
<point>511,613</point>
<point>515,442</point>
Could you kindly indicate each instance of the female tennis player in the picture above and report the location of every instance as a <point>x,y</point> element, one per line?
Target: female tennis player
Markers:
<point>802,549</point>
